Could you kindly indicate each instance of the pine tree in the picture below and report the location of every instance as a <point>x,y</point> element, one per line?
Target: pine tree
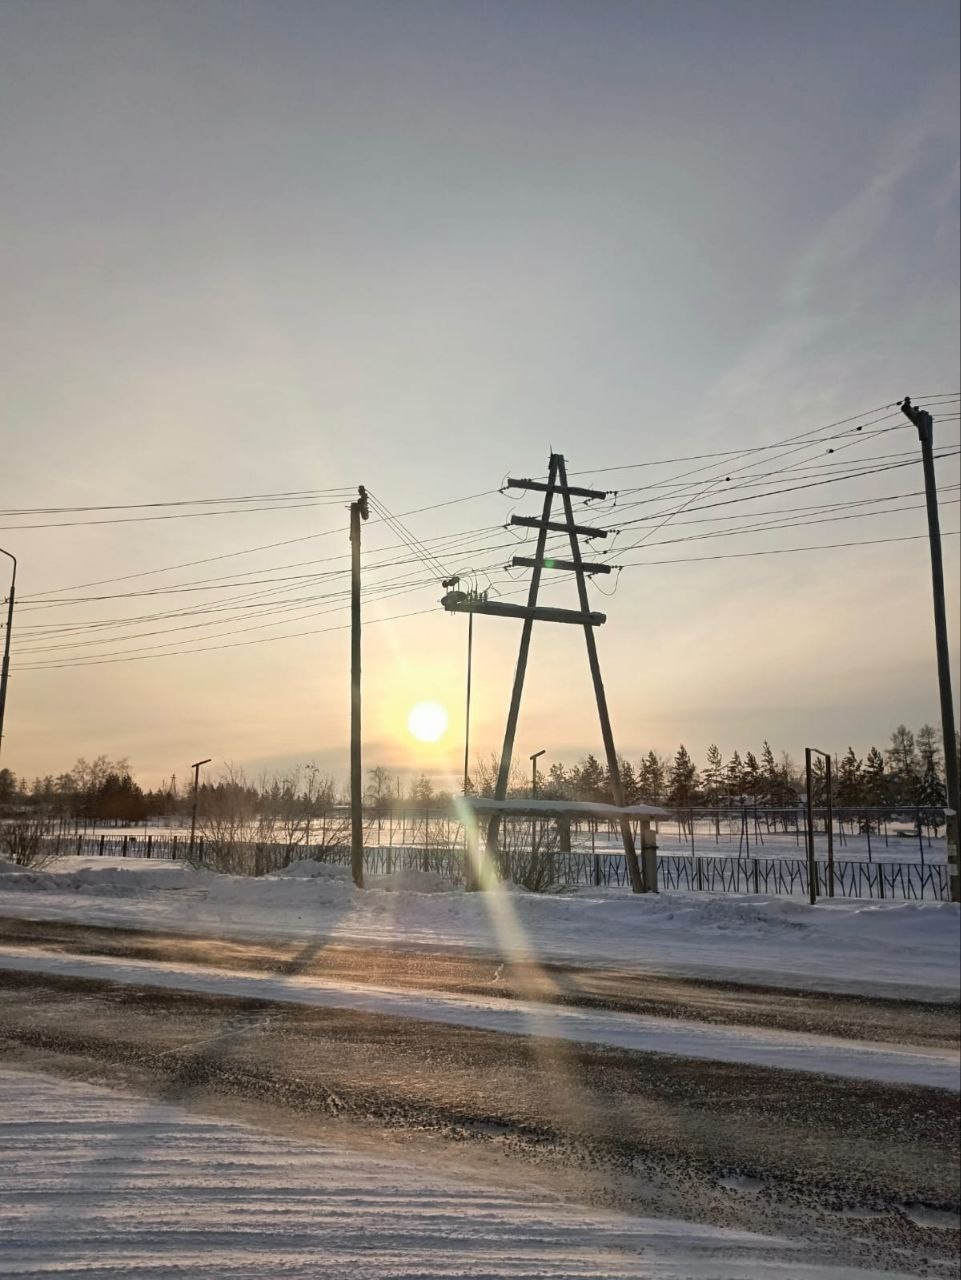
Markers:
<point>592,780</point>
<point>903,762</point>
<point>558,784</point>
<point>682,783</point>
<point>629,783</point>
<point>734,777</point>
<point>713,776</point>
<point>422,792</point>
<point>877,791</point>
<point>770,774</point>
<point>850,781</point>
<point>752,776</point>
<point>650,779</point>
<point>931,789</point>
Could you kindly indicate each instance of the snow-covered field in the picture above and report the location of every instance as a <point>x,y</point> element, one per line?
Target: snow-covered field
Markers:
<point>908,949</point>
<point>98,1183</point>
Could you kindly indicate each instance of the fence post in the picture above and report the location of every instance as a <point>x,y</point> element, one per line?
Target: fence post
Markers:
<point>150,846</point>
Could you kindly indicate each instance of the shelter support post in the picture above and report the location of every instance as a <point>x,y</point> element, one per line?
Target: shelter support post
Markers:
<point>649,857</point>
<point>564,833</point>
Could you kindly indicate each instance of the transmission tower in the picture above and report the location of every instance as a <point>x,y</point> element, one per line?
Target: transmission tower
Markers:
<point>456,601</point>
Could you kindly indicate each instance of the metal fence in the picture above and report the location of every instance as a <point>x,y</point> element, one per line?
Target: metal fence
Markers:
<point>693,873</point>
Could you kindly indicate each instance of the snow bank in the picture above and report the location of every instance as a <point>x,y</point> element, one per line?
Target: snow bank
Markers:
<point>907,949</point>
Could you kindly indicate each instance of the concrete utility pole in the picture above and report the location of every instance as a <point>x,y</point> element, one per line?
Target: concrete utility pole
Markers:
<point>5,669</point>
<point>925,426</point>
<point>358,511</point>
<point>193,812</point>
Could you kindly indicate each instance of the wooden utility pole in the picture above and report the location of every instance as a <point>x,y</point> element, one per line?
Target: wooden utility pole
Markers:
<point>358,511</point>
<point>925,426</point>
<point>193,812</point>
<point>470,659</point>
<point>829,819</point>
<point>5,668</point>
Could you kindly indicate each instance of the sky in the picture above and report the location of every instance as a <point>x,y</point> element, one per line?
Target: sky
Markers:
<point>261,248</point>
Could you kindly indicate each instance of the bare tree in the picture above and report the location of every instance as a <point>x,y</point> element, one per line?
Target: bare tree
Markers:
<point>27,841</point>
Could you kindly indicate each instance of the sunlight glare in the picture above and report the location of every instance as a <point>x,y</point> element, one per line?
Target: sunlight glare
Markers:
<point>427,721</point>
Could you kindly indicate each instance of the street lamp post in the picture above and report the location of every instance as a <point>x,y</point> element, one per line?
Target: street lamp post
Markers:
<point>193,815</point>
<point>534,759</point>
<point>810,752</point>
<point>5,669</point>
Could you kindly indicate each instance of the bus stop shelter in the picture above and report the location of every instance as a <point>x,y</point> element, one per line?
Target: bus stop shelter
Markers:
<point>562,813</point>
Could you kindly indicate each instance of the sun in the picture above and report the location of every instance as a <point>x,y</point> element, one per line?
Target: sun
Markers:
<point>427,721</point>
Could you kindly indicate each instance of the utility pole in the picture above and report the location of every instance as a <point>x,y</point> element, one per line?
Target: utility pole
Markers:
<point>924,423</point>
<point>470,660</point>
<point>449,584</point>
<point>358,511</point>
<point>534,759</point>
<point>193,812</point>
<point>809,806</point>
<point>5,669</point>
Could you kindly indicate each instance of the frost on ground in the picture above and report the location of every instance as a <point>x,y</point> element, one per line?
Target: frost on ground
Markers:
<point>99,1183</point>
<point>908,949</point>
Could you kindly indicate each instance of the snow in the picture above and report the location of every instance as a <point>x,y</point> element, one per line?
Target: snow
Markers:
<point>561,808</point>
<point>795,1051</point>
<point>888,948</point>
<point>98,1183</point>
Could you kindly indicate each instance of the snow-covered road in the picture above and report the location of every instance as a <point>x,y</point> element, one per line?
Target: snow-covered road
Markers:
<point>795,1051</point>
<point>98,1183</point>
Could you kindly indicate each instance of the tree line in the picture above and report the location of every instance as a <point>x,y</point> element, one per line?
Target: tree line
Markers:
<point>908,772</point>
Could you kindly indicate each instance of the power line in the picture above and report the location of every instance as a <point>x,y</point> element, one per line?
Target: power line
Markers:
<point>887,409</point>
<point>813,484</point>
<point>784,551</point>
<point>136,657</point>
<point>268,546</point>
<point>256,605</point>
<point>178,502</point>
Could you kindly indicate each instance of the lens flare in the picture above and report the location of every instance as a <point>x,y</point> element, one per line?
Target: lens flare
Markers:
<point>427,721</point>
